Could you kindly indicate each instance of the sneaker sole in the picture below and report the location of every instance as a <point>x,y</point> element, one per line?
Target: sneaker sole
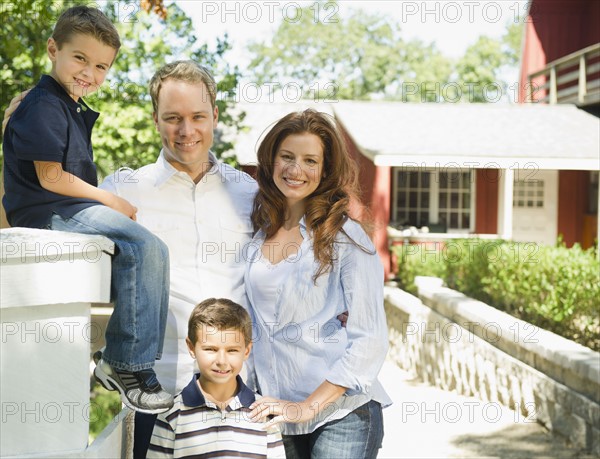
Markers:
<point>109,384</point>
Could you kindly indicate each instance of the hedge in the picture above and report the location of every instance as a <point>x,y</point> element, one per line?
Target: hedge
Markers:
<point>104,406</point>
<point>553,287</point>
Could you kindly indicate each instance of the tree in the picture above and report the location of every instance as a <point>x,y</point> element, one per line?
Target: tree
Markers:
<point>354,58</point>
<point>364,56</point>
<point>156,6</point>
<point>124,134</point>
<point>479,71</point>
<point>26,26</point>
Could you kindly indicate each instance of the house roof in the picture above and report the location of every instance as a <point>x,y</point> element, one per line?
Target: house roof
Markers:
<point>452,135</point>
<point>549,136</point>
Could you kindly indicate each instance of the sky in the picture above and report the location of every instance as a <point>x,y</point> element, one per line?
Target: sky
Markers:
<point>452,25</point>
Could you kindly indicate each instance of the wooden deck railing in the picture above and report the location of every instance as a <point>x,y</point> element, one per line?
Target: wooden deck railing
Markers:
<point>574,79</point>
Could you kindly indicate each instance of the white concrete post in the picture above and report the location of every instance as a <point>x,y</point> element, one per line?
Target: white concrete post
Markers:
<point>505,203</point>
<point>48,281</point>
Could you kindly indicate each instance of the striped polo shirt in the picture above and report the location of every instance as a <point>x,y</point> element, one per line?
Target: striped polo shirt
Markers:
<point>196,427</point>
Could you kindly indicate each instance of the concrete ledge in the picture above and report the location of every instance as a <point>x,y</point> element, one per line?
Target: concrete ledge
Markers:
<point>115,441</point>
<point>53,267</point>
<point>567,362</point>
<point>453,343</point>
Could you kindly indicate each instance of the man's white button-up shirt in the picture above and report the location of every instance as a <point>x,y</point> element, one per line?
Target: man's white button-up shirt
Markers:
<point>206,226</point>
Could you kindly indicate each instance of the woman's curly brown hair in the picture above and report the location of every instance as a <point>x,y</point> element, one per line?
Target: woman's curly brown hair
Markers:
<point>327,208</point>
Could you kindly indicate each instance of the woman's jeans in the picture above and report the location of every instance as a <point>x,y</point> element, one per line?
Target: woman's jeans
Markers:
<point>356,436</point>
<point>139,286</point>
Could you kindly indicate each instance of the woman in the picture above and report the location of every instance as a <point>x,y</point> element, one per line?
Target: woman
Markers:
<point>308,263</point>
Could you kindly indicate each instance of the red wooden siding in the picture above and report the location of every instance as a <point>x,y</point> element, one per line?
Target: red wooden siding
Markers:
<point>249,169</point>
<point>554,29</point>
<point>572,204</point>
<point>486,201</point>
<point>375,185</point>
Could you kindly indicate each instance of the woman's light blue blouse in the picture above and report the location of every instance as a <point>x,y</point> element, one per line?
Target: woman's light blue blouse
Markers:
<point>302,343</point>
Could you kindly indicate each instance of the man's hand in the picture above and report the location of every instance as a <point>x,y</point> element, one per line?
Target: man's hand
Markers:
<point>14,103</point>
<point>343,318</point>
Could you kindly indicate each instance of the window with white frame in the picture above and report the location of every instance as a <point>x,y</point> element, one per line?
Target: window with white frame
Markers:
<point>528,193</point>
<point>439,199</point>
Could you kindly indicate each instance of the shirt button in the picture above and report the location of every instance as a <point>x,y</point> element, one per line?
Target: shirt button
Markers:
<point>78,109</point>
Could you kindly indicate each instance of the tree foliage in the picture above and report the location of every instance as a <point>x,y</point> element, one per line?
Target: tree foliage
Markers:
<point>26,26</point>
<point>479,70</point>
<point>361,56</point>
<point>156,6</point>
<point>124,134</point>
<point>364,56</point>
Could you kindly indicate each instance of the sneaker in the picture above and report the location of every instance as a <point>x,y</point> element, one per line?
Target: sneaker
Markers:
<point>140,390</point>
<point>97,356</point>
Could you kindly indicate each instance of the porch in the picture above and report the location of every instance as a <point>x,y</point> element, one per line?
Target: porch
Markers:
<point>572,79</point>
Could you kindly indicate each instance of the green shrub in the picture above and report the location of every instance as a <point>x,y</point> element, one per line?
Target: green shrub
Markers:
<point>104,406</point>
<point>416,260</point>
<point>552,287</point>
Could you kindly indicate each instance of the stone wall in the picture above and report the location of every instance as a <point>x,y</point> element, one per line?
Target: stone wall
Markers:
<point>459,344</point>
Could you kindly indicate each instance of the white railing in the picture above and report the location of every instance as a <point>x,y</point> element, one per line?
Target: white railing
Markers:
<point>574,78</point>
<point>48,282</point>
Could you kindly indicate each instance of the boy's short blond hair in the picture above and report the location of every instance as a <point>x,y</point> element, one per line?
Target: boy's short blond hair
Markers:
<point>222,314</point>
<point>86,21</point>
<point>187,71</point>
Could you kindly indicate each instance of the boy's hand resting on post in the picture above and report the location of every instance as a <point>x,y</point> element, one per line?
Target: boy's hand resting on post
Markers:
<point>53,177</point>
<point>122,205</point>
<point>14,103</point>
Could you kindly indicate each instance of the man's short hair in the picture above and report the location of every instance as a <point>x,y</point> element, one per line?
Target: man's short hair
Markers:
<point>86,21</point>
<point>187,71</point>
<point>222,314</point>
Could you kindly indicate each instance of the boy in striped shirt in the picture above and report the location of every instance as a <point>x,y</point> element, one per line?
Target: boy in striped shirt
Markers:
<point>210,417</point>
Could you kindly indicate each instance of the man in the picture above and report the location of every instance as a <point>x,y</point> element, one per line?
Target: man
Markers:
<point>198,206</point>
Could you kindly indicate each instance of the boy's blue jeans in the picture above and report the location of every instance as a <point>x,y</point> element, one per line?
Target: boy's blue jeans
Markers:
<point>139,286</point>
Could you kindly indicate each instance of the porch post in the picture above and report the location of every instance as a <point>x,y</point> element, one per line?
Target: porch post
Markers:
<point>505,203</point>
<point>582,91</point>
<point>48,280</point>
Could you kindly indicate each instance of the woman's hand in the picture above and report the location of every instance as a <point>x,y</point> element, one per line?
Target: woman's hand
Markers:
<point>322,398</point>
<point>282,410</point>
<point>14,103</point>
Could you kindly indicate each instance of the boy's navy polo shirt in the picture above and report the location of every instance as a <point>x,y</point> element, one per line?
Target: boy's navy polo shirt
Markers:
<point>48,125</point>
